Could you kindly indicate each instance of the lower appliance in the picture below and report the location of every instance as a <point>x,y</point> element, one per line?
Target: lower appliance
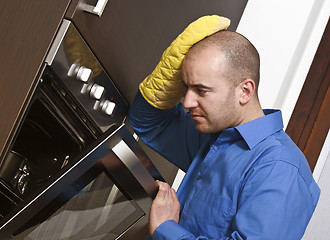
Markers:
<point>74,170</point>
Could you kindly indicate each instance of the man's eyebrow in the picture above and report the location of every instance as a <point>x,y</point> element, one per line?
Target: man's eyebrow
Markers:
<point>200,86</point>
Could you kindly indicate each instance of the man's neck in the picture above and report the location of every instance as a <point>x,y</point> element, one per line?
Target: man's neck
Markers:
<point>251,112</point>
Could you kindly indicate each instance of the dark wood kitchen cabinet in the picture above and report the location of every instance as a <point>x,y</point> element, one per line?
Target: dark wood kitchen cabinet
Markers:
<point>131,35</point>
<point>27,29</point>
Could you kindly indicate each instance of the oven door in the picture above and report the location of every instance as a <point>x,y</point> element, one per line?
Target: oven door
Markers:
<point>106,194</point>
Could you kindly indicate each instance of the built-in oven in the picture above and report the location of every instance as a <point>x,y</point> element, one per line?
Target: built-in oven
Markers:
<point>73,169</point>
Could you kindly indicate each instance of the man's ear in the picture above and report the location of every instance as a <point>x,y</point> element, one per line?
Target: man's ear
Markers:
<point>247,88</point>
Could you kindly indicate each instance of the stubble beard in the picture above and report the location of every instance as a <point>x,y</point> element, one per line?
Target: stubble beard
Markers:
<point>225,116</point>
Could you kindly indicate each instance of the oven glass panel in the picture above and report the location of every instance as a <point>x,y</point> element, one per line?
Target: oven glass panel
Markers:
<point>46,143</point>
<point>91,208</point>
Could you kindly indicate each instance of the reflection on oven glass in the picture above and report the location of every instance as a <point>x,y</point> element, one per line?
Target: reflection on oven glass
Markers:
<point>99,209</point>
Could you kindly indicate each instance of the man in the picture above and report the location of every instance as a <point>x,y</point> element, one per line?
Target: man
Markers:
<point>245,178</point>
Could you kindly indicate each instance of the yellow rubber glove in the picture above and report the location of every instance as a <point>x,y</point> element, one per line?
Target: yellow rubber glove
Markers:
<point>163,88</point>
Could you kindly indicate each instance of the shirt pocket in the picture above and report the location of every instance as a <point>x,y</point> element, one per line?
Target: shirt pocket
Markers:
<point>207,212</point>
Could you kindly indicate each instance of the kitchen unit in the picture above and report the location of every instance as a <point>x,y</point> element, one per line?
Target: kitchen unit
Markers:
<point>98,182</point>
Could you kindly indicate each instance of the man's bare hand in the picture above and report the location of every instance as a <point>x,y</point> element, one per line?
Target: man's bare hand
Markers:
<point>165,207</point>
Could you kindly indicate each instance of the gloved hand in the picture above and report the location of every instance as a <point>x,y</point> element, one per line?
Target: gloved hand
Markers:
<point>163,88</point>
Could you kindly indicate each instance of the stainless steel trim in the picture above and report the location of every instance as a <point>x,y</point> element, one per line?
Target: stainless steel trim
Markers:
<point>130,153</point>
<point>97,9</point>
<point>57,42</point>
<point>128,157</point>
<point>71,54</point>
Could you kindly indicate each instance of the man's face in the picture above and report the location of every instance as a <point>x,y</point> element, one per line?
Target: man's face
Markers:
<point>211,99</point>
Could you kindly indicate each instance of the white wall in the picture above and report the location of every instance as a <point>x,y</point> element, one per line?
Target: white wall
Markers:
<point>318,227</point>
<point>286,34</point>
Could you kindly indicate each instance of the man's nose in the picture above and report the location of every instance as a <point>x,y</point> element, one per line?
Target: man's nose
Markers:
<point>190,100</point>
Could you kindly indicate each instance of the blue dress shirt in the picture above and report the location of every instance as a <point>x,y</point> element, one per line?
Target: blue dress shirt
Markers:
<point>248,182</point>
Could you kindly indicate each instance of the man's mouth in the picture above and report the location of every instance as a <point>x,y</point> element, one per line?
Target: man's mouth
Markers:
<point>197,116</point>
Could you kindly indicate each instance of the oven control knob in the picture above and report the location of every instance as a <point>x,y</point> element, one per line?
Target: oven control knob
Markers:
<point>108,107</point>
<point>96,91</point>
<point>83,74</point>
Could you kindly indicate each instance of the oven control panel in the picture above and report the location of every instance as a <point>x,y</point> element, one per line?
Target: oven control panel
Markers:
<point>78,69</point>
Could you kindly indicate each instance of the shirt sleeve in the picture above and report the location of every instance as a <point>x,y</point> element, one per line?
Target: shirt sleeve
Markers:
<point>275,202</point>
<point>170,132</point>
<point>178,232</point>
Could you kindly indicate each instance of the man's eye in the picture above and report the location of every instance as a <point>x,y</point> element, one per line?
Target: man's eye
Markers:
<point>201,91</point>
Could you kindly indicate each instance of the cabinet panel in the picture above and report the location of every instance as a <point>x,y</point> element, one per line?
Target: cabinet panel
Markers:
<point>27,29</point>
<point>309,123</point>
<point>131,35</point>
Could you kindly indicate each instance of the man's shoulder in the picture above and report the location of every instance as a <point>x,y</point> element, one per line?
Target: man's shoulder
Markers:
<point>280,147</point>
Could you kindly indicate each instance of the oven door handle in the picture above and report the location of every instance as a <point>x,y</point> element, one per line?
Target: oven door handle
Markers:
<point>130,153</point>
<point>97,9</point>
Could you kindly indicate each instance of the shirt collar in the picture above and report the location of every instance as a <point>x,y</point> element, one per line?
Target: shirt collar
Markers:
<point>255,131</point>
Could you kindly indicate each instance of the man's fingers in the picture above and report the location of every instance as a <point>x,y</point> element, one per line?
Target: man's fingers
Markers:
<point>175,200</point>
<point>173,194</point>
<point>163,191</point>
<point>166,196</point>
<point>164,207</point>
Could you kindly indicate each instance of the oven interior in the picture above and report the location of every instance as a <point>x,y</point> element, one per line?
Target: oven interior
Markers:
<point>52,133</point>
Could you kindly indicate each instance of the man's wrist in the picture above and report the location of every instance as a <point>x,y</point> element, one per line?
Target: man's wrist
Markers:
<point>170,230</point>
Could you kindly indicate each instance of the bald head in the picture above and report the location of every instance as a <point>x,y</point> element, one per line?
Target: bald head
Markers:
<point>240,56</point>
